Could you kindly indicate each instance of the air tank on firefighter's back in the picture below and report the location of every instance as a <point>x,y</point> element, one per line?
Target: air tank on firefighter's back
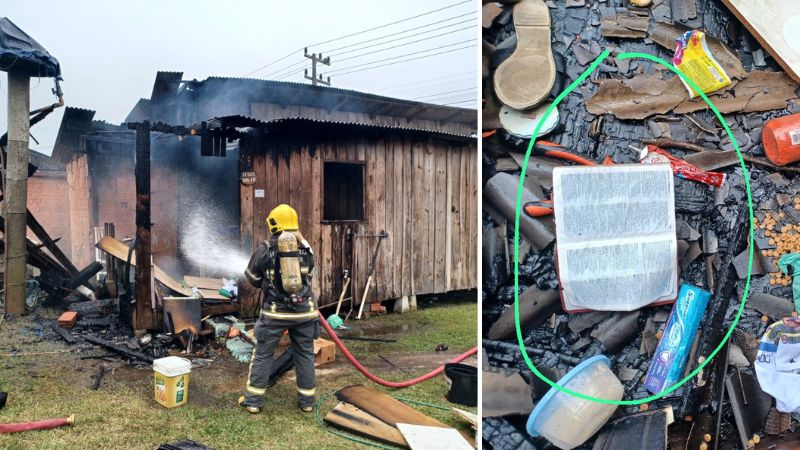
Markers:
<point>289,260</point>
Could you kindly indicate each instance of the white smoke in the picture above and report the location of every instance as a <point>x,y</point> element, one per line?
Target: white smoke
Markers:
<point>204,245</point>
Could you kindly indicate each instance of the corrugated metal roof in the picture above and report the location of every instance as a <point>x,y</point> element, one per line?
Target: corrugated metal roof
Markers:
<point>274,125</point>
<point>140,111</point>
<point>333,98</point>
<point>75,122</point>
<point>44,162</point>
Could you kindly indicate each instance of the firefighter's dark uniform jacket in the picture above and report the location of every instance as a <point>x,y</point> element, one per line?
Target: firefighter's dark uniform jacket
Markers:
<point>279,312</point>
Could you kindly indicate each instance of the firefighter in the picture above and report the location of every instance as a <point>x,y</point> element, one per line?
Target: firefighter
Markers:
<point>281,268</point>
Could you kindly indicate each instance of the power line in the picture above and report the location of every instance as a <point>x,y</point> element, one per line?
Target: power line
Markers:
<point>299,63</point>
<point>357,33</point>
<point>392,23</point>
<point>409,91</point>
<point>457,103</point>
<point>290,74</point>
<point>471,72</point>
<point>404,44</point>
<point>445,93</point>
<point>400,56</point>
<point>406,60</point>
<point>406,31</point>
<point>448,98</point>
<point>412,35</point>
<point>453,98</point>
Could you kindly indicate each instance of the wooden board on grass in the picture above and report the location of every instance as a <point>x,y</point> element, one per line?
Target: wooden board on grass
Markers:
<point>354,420</point>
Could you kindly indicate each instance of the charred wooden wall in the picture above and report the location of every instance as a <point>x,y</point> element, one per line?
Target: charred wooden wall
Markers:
<point>419,189</point>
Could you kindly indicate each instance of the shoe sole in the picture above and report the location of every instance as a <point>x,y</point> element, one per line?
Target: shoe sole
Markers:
<point>525,79</point>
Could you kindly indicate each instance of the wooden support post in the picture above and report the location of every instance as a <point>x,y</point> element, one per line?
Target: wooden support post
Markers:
<point>16,192</point>
<point>143,316</point>
<point>110,273</point>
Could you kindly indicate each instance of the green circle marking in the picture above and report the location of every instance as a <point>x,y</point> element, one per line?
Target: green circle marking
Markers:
<point>550,109</point>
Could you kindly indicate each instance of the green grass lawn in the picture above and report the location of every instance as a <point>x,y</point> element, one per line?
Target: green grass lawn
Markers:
<point>123,414</point>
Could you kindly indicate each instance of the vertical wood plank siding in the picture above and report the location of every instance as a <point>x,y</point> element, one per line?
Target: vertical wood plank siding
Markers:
<point>421,191</point>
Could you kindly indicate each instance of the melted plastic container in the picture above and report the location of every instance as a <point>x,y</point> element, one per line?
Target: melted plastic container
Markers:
<point>568,421</point>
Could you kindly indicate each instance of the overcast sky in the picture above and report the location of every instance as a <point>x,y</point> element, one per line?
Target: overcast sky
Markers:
<point>110,51</point>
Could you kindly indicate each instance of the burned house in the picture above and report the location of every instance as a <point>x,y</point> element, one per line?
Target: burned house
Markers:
<point>354,165</point>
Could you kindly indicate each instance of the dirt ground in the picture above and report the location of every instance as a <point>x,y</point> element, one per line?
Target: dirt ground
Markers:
<point>47,379</point>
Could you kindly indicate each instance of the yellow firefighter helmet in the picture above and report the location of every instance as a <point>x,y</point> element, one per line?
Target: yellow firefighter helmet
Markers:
<point>282,218</point>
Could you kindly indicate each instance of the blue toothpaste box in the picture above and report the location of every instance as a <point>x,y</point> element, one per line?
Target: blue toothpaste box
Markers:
<point>673,348</point>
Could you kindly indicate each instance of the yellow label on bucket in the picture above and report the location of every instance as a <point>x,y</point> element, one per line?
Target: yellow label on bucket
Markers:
<point>694,59</point>
<point>171,391</point>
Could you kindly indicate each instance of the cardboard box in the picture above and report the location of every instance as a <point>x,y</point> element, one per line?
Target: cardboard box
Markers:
<point>68,319</point>
<point>324,350</point>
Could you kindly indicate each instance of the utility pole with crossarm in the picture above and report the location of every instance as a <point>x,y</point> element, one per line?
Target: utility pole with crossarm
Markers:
<point>316,79</point>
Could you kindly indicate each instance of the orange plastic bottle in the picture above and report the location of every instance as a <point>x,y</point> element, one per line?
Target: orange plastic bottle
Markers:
<point>781,138</point>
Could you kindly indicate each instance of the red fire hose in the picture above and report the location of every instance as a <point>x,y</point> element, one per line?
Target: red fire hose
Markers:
<point>38,425</point>
<point>381,381</point>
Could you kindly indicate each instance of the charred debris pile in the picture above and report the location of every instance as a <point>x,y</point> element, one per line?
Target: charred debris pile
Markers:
<point>622,107</point>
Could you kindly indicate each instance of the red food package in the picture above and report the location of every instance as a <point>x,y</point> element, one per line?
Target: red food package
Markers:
<point>681,168</point>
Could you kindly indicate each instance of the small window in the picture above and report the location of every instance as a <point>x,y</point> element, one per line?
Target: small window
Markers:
<point>343,194</point>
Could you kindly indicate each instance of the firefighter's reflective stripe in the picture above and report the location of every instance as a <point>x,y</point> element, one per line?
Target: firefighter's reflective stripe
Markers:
<point>290,316</point>
<point>306,392</point>
<point>255,391</point>
<point>251,389</point>
<point>251,275</point>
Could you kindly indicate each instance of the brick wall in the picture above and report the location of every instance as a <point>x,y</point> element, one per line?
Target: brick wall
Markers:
<point>48,201</point>
<point>110,196</point>
<point>115,191</point>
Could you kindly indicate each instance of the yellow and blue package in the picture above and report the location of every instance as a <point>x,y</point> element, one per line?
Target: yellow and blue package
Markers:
<point>695,60</point>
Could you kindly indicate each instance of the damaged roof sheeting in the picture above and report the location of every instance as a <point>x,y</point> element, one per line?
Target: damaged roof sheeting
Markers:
<point>74,123</point>
<point>21,53</point>
<point>322,126</point>
<point>169,90</point>
<point>622,107</point>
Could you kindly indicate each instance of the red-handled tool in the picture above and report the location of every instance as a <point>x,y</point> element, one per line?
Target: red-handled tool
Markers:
<point>553,150</point>
<point>538,208</point>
